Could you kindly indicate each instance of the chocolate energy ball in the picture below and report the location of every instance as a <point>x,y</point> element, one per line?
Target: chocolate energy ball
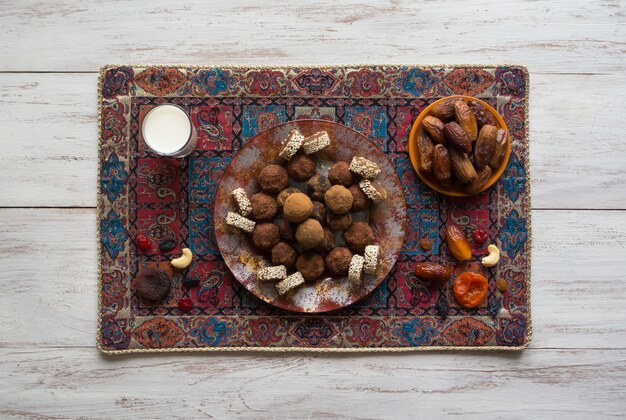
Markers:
<point>282,196</point>
<point>297,207</point>
<point>360,201</point>
<point>310,265</point>
<point>287,229</point>
<point>273,179</point>
<point>358,236</point>
<point>265,236</point>
<point>264,207</point>
<point>152,283</point>
<point>340,174</point>
<point>317,186</point>
<point>338,199</point>
<point>328,243</point>
<point>338,261</point>
<point>284,254</point>
<point>301,167</point>
<point>338,222</point>
<point>319,212</point>
<point>310,233</point>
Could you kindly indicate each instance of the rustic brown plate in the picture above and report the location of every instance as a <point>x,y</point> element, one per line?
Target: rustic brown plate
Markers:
<point>387,219</point>
<point>428,178</point>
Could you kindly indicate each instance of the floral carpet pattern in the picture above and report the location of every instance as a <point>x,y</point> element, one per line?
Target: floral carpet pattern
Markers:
<point>168,198</point>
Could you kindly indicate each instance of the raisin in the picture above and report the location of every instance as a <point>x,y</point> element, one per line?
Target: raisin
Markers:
<point>426,244</point>
<point>442,306</point>
<point>502,285</point>
<point>167,244</point>
<point>190,281</point>
<point>495,305</point>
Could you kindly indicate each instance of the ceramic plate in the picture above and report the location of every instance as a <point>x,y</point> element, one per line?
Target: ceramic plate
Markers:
<point>387,219</point>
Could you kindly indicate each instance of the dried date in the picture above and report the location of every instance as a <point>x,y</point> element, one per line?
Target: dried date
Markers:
<point>466,119</point>
<point>432,271</point>
<point>457,137</point>
<point>499,149</point>
<point>424,152</point>
<point>481,179</point>
<point>441,164</point>
<point>483,115</point>
<point>444,110</point>
<point>485,145</point>
<point>462,167</point>
<point>434,127</point>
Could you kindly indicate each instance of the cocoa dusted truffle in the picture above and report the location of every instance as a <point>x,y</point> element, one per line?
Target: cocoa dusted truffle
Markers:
<point>301,167</point>
<point>310,233</point>
<point>273,179</point>
<point>358,236</point>
<point>265,236</point>
<point>297,207</point>
<point>338,222</point>
<point>264,207</point>
<point>310,265</point>
<point>319,212</point>
<point>328,243</point>
<point>360,201</point>
<point>338,261</point>
<point>282,196</point>
<point>317,186</point>
<point>152,283</point>
<point>284,254</point>
<point>338,199</point>
<point>340,174</point>
<point>287,229</point>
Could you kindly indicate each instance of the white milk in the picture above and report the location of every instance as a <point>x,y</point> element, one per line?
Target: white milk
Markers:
<point>167,130</point>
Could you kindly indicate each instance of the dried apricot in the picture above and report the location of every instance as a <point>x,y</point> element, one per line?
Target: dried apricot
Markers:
<point>470,289</point>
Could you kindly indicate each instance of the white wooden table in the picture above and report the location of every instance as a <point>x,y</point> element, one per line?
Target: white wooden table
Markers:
<point>50,53</point>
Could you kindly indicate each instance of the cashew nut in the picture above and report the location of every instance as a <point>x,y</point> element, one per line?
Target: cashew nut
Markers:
<point>493,257</point>
<point>184,260</point>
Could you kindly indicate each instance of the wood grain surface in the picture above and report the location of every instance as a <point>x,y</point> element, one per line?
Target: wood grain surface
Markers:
<point>50,53</point>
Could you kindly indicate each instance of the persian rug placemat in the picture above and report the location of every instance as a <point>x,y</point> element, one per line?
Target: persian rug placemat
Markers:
<point>140,193</point>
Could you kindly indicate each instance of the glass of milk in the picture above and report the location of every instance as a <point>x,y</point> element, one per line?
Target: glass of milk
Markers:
<point>167,130</point>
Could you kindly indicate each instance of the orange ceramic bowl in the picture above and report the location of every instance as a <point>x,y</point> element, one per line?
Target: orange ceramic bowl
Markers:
<point>429,178</point>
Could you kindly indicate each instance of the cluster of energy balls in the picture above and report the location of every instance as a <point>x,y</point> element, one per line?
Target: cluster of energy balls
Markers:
<point>309,230</point>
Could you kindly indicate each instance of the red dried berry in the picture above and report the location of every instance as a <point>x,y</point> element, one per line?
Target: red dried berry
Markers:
<point>185,304</point>
<point>143,242</point>
<point>480,236</point>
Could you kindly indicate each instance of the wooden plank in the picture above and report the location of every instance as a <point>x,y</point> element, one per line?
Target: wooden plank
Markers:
<point>49,263</point>
<point>49,140</point>
<point>68,383</point>
<point>549,36</point>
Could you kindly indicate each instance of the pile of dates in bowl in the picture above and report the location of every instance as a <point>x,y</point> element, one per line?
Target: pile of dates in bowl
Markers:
<point>459,145</point>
